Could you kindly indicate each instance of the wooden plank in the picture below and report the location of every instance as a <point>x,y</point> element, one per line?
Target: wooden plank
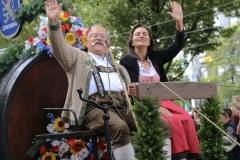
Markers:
<point>77,134</point>
<point>186,90</point>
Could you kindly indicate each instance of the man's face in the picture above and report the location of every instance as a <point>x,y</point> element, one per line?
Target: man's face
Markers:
<point>195,114</point>
<point>223,119</point>
<point>97,41</point>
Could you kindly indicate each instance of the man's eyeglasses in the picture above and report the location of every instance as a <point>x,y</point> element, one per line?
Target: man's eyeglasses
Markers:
<point>95,35</point>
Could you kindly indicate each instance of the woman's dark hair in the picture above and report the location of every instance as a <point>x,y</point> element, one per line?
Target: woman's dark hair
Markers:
<point>130,48</point>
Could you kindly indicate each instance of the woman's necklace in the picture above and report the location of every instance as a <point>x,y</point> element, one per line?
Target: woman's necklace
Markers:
<point>142,64</point>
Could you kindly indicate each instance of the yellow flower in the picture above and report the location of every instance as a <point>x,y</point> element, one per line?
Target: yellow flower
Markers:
<point>63,18</point>
<point>48,156</point>
<point>59,124</point>
<point>70,38</point>
<point>84,40</point>
<point>76,147</point>
<point>48,42</point>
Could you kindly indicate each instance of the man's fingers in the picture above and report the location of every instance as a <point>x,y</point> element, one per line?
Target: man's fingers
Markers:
<point>60,6</point>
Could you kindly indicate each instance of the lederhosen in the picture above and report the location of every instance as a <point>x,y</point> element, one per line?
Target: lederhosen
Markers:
<point>112,98</point>
<point>117,104</point>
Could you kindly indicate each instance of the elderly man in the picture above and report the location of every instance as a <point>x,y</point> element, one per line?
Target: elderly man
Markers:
<point>90,72</point>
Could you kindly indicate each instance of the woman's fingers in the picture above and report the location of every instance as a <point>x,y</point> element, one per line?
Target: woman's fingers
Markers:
<point>165,112</point>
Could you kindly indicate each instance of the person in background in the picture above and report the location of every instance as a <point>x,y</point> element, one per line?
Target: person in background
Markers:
<point>235,119</point>
<point>230,147</point>
<point>235,116</point>
<point>90,71</point>
<point>196,118</point>
<point>145,64</point>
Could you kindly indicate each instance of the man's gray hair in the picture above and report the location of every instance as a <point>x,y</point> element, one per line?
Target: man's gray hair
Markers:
<point>99,26</point>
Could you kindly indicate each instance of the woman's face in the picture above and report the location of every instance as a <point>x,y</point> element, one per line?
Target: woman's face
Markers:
<point>140,38</point>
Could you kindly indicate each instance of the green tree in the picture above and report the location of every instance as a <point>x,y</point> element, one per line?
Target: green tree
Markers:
<point>225,66</point>
<point>149,140</point>
<point>211,138</point>
<point>120,15</point>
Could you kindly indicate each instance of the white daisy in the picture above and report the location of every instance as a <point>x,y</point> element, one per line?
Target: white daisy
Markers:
<point>27,46</point>
<point>75,157</point>
<point>65,131</point>
<point>56,143</point>
<point>35,40</point>
<point>84,152</point>
<point>63,148</point>
<point>43,19</point>
<point>65,159</point>
<point>75,27</point>
<point>100,153</point>
<point>72,18</point>
<point>42,34</point>
<point>50,128</point>
<point>66,125</point>
<point>60,155</point>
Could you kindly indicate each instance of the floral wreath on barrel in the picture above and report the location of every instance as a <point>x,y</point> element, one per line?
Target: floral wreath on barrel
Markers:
<point>65,149</point>
<point>73,30</point>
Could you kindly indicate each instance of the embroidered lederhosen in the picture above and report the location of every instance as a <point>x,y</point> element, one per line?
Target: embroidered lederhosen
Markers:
<point>98,80</point>
<point>102,97</point>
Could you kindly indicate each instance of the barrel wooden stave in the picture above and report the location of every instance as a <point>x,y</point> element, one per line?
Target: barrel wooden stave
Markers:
<point>38,82</point>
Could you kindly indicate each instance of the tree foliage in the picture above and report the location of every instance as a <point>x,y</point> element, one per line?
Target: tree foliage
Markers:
<point>211,138</point>
<point>225,65</point>
<point>120,15</point>
<point>149,140</point>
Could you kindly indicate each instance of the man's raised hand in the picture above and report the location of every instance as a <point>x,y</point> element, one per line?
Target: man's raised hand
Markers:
<point>53,10</point>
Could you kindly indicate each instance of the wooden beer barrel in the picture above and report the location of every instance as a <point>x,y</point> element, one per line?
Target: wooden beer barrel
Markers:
<point>28,86</point>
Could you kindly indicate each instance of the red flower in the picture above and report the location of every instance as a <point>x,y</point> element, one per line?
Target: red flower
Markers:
<point>68,27</point>
<point>102,147</point>
<point>42,149</point>
<point>79,33</point>
<point>105,156</point>
<point>30,40</point>
<point>88,31</point>
<point>55,148</point>
<point>100,141</point>
<point>70,141</point>
<point>44,41</point>
<point>44,29</point>
<point>64,155</point>
<point>91,157</point>
<point>66,14</point>
<point>63,28</point>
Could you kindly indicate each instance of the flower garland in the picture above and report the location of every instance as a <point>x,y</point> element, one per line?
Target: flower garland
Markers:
<point>73,30</point>
<point>65,149</point>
